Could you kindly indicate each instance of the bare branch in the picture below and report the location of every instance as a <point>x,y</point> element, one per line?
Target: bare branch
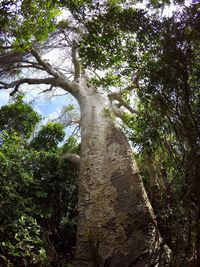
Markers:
<point>51,81</point>
<point>60,79</point>
<point>10,58</point>
<point>15,68</point>
<point>44,64</point>
<point>61,82</point>
<point>15,90</point>
<point>118,97</point>
<point>6,47</point>
<point>76,62</point>
<point>117,112</point>
<point>47,90</point>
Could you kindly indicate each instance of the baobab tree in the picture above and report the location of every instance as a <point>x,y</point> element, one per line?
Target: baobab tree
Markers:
<point>116,223</point>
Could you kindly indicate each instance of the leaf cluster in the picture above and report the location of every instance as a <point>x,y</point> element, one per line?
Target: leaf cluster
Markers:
<point>38,193</point>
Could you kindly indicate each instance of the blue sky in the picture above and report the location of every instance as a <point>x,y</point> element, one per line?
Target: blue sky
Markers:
<point>47,106</point>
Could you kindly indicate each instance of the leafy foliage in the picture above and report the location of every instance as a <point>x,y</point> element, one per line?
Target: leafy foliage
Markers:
<point>18,117</point>
<point>26,22</point>
<point>166,130</point>
<point>159,56</point>
<point>49,137</point>
<point>38,197</point>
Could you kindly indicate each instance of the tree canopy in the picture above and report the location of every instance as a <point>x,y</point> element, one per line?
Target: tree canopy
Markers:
<point>132,52</point>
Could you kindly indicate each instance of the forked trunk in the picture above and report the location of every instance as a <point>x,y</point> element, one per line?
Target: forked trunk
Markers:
<point>116,225</point>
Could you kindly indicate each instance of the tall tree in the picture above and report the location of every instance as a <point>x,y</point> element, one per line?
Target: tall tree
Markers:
<point>116,223</point>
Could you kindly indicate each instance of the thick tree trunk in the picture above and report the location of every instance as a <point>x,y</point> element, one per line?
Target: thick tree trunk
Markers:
<point>116,225</point>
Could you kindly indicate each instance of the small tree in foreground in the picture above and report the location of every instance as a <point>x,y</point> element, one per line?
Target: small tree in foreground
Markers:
<point>38,192</point>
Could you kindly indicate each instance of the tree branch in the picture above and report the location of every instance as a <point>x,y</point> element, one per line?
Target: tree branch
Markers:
<point>60,79</point>
<point>73,158</point>
<point>61,82</point>
<point>76,62</point>
<point>118,97</point>
<point>14,68</point>
<point>51,81</point>
<point>117,112</point>
<point>47,90</point>
<point>10,58</point>
<point>15,90</point>
<point>44,64</point>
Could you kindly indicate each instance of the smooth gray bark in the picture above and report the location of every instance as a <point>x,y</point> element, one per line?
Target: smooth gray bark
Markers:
<point>116,224</point>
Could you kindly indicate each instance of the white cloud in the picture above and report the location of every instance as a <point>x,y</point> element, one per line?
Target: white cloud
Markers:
<point>4,97</point>
<point>54,115</point>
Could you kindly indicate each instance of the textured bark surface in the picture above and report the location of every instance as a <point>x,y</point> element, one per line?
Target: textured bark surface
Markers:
<point>116,225</point>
